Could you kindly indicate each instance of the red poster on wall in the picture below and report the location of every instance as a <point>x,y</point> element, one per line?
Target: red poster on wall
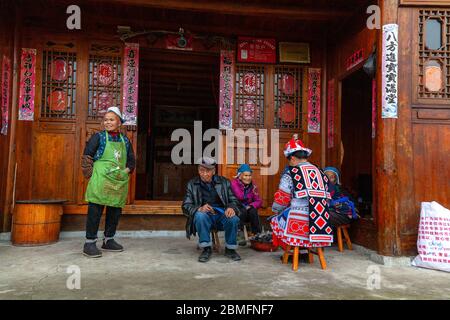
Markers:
<point>130,83</point>
<point>27,84</point>
<point>226,98</point>
<point>313,100</point>
<point>6,72</point>
<point>330,115</point>
<point>256,50</point>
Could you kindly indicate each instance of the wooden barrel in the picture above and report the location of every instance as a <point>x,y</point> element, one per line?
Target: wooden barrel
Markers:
<point>36,222</point>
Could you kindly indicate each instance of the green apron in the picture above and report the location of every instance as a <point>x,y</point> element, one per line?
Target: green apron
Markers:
<point>109,182</point>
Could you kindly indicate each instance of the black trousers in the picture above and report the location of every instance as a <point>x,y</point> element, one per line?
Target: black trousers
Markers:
<point>93,220</point>
<point>250,215</point>
<point>337,219</point>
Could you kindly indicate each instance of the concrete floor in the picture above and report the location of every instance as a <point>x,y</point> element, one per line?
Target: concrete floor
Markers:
<point>167,268</point>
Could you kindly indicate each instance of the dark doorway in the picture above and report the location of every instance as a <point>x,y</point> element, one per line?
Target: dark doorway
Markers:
<point>356,132</point>
<point>176,88</point>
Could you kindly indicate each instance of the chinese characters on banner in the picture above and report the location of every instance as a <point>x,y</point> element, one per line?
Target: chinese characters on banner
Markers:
<point>257,50</point>
<point>390,71</point>
<point>330,115</point>
<point>374,107</point>
<point>226,97</point>
<point>27,84</point>
<point>130,83</point>
<point>6,72</point>
<point>313,100</point>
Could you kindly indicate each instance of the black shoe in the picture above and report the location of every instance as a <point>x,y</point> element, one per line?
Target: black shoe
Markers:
<point>112,245</point>
<point>232,254</point>
<point>205,255</point>
<point>90,250</point>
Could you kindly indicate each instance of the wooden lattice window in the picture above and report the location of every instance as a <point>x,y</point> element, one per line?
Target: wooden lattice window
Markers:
<point>434,54</point>
<point>105,73</point>
<point>249,104</point>
<point>288,97</point>
<point>59,70</point>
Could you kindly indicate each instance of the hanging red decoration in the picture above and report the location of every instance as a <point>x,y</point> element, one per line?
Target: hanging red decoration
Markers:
<point>103,102</point>
<point>250,110</point>
<point>250,83</point>
<point>287,112</point>
<point>105,74</point>
<point>59,69</point>
<point>57,100</point>
<point>287,84</point>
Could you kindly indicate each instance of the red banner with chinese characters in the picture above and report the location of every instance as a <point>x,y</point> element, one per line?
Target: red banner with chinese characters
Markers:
<point>374,107</point>
<point>130,83</point>
<point>355,59</point>
<point>226,98</point>
<point>256,50</point>
<point>313,100</point>
<point>27,84</point>
<point>6,73</point>
<point>330,115</point>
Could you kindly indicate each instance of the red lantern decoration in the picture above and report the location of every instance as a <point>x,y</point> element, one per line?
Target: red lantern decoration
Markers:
<point>288,84</point>
<point>287,112</point>
<point>58,101</point>
<point>105,74</point>
<point>250,110</point>
<point>250,83</point>
<point>103,102</point>
<point>59,70</point>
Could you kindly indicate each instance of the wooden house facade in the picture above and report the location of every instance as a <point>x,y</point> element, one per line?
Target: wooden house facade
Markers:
<point>391,164</point>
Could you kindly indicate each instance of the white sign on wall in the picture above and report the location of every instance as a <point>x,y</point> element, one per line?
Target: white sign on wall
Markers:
<point>390,71</point>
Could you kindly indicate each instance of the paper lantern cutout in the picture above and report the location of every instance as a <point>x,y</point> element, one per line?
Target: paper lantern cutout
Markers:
<point>59,70</point>
<point>250,111</point>
<point>57,101</point>
<point>103,102</point>
<point>287,84</point>
<point>105,74</point>
<point>287,112</point>
<point>250,83</point>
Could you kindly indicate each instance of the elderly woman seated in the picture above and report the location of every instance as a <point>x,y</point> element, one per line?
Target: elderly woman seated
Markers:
<point>342,208</point>
<point>247,194</point>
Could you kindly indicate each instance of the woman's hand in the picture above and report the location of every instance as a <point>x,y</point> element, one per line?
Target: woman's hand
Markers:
<point>127,170</point>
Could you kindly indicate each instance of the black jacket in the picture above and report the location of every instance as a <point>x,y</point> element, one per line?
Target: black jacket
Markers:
<point>193,200</point>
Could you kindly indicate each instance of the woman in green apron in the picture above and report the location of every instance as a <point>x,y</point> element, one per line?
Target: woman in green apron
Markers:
<point>108,159</point>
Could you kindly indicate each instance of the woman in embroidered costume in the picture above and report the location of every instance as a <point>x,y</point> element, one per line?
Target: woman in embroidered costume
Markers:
<point>301,202</point>
<point>107,161</point>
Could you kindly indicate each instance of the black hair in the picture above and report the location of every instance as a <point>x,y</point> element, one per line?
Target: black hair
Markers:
<point>300,154</point>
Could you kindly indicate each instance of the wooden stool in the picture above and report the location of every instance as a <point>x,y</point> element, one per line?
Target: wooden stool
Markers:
<point>215,240</point>
<point>295,256</point>
<point>343,229</point>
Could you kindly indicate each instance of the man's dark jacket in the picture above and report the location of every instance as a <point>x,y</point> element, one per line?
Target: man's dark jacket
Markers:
<point>193,200</point>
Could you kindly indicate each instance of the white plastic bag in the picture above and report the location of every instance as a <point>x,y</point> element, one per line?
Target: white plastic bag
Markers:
<point>433,241</point>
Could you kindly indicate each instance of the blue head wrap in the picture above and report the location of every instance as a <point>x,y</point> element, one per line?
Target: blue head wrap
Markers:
<point>244,168</point>
<point>335,171</point>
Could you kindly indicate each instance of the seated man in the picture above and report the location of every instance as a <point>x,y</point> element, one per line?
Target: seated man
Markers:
<point>210,203</point>
<point>342,207</point>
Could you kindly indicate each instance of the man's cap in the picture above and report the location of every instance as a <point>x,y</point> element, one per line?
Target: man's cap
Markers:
<point>207,162</point>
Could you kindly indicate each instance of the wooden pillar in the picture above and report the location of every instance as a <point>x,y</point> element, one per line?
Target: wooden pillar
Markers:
<point>5,224</point>
<point>386,171</point>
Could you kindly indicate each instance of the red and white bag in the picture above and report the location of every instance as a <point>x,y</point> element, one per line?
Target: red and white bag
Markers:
<point>433,241</point>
